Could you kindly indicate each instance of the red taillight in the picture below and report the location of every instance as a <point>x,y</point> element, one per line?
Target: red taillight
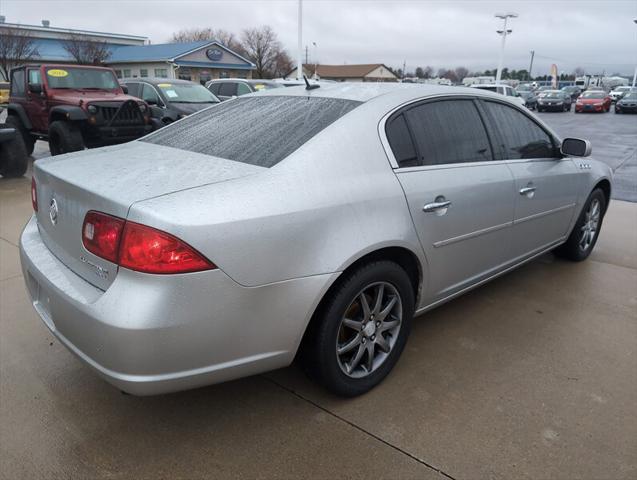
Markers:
<point>101,235</point>
<point>34,195</point>
<point>138,247</point>
<point>146,249</point>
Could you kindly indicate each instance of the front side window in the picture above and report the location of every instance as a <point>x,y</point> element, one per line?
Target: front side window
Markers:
<point>17,83</point>
<point>449,131</point>
<point>81,78</point>
<point>149,95</point>
<point>35,78</point>
<point>133,89</point>
<point>520,137</point>
<point>259,130</point>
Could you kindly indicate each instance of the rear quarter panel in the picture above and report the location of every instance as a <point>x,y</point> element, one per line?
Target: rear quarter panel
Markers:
<point>326,205</point>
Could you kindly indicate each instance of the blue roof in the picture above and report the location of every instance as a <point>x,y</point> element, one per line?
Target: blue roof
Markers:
<point>149,53</point>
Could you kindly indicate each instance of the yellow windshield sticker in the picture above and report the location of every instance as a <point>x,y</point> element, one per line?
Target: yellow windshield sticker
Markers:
<point>56,72</point>
<point>164,85</point>
<point>259,86</point>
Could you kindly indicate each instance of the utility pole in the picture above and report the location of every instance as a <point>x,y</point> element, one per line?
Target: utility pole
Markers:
<point>635,74</point>
<point>404,67</point>
<point>299,58</point>
<point>504,32</point>
<point>306,60</point>
<point>531,65</point>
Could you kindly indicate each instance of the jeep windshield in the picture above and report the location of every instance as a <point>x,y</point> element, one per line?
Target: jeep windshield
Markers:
<point>81,79</point>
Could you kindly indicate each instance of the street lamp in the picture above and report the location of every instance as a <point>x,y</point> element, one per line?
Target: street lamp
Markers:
<point>504,32</point>
<point>315,58</point>
<point>635,74</point>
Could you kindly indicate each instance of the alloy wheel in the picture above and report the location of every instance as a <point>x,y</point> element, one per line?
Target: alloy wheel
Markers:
<point>369,329</point>
<point>591,225</point>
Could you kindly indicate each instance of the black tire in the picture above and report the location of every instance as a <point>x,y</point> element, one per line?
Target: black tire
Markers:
<point>28,139</point>
<point>319,350</point>
<point>13,156</point>
<point>64,137</point>
<point>574,249</point>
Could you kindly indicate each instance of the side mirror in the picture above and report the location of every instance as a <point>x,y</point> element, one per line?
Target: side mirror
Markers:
<point>35,88</point>
<point>124,89</point>
<point>576,147</point>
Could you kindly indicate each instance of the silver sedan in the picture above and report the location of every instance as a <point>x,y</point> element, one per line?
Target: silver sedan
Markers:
<point>297,223</point>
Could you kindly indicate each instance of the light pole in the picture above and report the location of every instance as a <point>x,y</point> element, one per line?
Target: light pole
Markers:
<point>299,58</point>
<point>635,74</point>
<point>504,32</point>
<point>315,58</point>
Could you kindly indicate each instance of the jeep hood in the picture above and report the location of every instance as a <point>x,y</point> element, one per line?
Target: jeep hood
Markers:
<point>74,97</point>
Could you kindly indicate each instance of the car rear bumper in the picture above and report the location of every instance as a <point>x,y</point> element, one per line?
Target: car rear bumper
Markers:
<point>151,334</point>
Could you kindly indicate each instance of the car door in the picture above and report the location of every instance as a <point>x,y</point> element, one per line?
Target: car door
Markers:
<point>546,184</point>
<point>36,104</point>
<point>460,200</point>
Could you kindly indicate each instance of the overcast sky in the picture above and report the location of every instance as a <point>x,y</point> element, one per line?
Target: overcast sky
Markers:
<point>597,35</point>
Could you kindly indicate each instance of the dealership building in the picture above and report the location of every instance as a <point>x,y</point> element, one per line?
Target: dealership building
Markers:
<point>135,56</point>
<point>368,72</point>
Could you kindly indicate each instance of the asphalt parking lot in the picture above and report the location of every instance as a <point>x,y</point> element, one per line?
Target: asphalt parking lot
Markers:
<point>532,376</point>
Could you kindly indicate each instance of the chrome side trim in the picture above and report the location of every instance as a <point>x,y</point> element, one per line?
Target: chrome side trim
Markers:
<point>542,214</point>
<point>532,256</point>
<point>469,235</point>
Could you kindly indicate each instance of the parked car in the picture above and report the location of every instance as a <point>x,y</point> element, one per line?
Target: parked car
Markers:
<point>229,88</point>
<point>618,93</point>
<point>4,93</point>
<point>13,154</point>
<point>542,90</point>
<point>593,101</point>
<point>627,104</point>
<point>73,107</point>
<point>530,100</point>
<point>312,221</point>
<point>554,100</point>
<point>505,90</point>
<point>573,91</point>
<point>169,100</point>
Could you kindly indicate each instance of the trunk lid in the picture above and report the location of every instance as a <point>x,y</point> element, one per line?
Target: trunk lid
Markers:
<point>110,180</point>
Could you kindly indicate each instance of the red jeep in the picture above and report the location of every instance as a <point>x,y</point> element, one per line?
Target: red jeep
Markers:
<point>73,107</point>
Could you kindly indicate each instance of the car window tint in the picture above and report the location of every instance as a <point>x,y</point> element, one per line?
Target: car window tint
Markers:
<point>260,130</point>
<point>522,137</point>
<point>133,89</point>
<point>149,95</point>
<point>35,77</point>
<point>243,89</point>
<point>400,141</point>
<point>17,83</point>
<point>214,88</point>
<point>449,131</point>
<point>228,89</point>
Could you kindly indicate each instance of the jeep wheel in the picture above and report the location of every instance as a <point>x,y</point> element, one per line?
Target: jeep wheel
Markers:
<point>13,156</point>
<point>64,137</point>
<point>28,139</point>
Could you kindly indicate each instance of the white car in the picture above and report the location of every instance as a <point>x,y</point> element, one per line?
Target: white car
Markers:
<point>618,93</point>
<point>505,90</point>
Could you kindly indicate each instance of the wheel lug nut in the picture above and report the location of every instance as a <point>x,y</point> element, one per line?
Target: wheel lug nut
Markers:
<point>373,337</point>
<point>364,340</point>
<point>378,324</point>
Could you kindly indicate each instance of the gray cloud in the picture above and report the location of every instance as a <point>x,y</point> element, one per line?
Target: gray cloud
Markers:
<point>598,36</point>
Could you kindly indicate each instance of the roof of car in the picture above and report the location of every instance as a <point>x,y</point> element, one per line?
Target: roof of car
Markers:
<point>157,81</point>
<point>245,80</point>
<point>363,92</point>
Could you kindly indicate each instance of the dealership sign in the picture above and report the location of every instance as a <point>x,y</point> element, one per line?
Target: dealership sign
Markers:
<point>214,54</point>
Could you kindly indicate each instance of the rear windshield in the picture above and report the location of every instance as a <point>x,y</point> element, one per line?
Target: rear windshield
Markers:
<point>260,130</point>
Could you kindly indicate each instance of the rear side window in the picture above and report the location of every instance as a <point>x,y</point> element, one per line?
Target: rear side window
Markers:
<point>520,137</point>
<point>256,130</point>
<point>243,89</point>
<point>401,142</point>
<point>449,131</point>
<point>214,88</point>
<point>17,84</point>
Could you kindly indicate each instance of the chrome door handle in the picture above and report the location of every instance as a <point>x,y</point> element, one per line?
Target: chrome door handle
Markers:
<point>527,190</point>
<point>435,206</point>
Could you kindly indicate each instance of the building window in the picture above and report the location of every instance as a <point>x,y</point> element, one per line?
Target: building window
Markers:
<point>184,74</point>
<point>161,72</point>
<point>118,73</point>
<point>223,74</point>
<point>126,72</point>
<point>143,72</point>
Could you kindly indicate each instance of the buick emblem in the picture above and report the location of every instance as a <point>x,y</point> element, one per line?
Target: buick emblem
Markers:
<point>53,211</point>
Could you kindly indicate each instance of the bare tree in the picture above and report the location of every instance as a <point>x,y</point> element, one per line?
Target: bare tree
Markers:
<point>579,72</point>
<point>420,73</point>
<point>282,65</point>
<point>16,47</point>
<point>86,52</point>
<point>428,72</point>
<point>197,34</point>
<point>461,73</point>
<point>262,47</point>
